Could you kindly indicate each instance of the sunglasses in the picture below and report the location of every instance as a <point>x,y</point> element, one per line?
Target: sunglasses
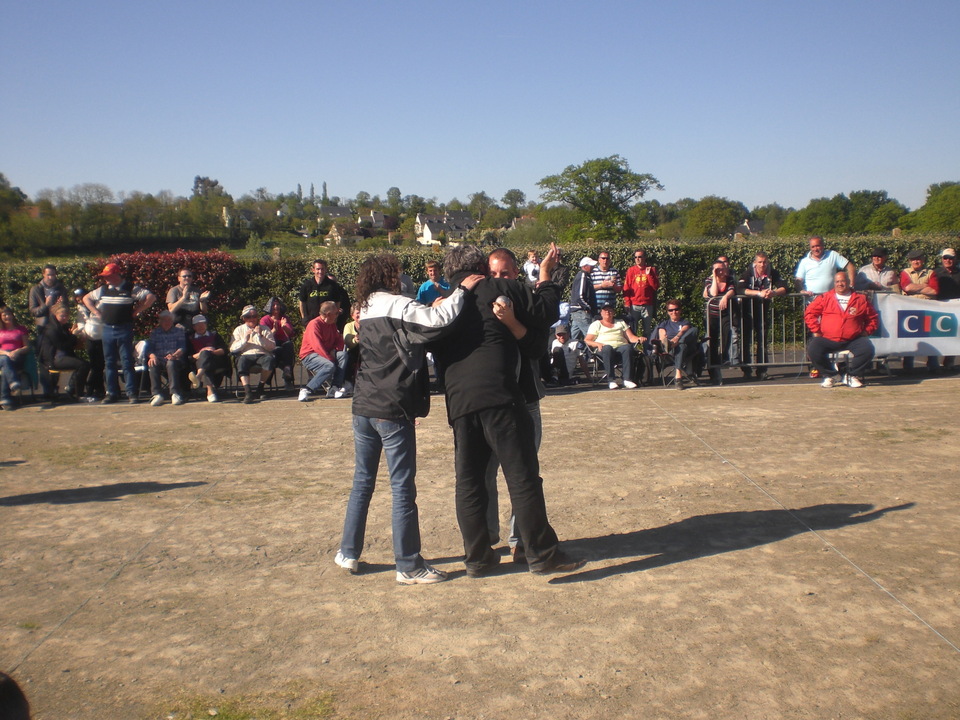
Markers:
<point>673,309</point>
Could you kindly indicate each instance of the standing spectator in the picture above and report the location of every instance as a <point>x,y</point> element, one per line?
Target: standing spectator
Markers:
<point>640,293</point>
<point>317,290</point>
<point>606,281</point>
<point>946,281</point>
<point>45,295</point>
<point>434,286</point>
<point>875,275</point>
<point>815,271</point>
<point>166,353</point>
<point>841,320</point>
<point>915,282</point>
<point>90,330</point>
<point>208,353</point>
<point>583,300</point>
<point>57,351</point>
<point>322,354</point>
<point>185,300</point>
<point>13,352</point>
<point>531,268</point>
<point>283,333</point>
<point>253,344</point>
<point>760,283</point>
<point>718,291</point>
<point>116,303</point>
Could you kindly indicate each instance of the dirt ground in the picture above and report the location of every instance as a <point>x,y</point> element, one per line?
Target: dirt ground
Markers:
<point>756,551</point>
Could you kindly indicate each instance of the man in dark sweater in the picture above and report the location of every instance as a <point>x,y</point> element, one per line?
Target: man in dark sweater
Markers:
<point>486,408</point>
<point>317,289</point>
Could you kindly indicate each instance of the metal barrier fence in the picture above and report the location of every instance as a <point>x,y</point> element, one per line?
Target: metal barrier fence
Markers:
<point>756,333</point>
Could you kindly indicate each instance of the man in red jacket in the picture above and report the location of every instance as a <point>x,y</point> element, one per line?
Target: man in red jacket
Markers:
<point>841,320</point>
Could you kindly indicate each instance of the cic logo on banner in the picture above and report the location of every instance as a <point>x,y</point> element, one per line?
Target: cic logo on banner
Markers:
<point>923,323</point>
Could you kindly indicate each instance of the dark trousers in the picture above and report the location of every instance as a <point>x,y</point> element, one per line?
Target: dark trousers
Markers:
<point>81,368</point>
<point>819,347</point>
<point>508,431</point>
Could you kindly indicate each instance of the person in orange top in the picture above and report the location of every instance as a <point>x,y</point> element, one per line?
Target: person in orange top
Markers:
<point>640,293</point>
<point>841,320</point>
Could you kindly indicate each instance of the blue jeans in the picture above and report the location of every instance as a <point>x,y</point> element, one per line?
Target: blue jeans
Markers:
<point>324,370</point>
<point>397,438</point>
<point>11,373</point>
<point>118,340</point>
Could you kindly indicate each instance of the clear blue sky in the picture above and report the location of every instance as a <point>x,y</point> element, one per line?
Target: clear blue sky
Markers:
<point>757,101</point>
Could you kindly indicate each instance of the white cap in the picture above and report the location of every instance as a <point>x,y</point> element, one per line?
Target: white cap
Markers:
<point>948,252</point>
<point>587,260</point>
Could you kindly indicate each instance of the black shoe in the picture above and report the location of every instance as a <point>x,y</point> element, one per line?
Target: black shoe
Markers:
<point>108,400</point>
<point>560,563</point>
<point>259,391</point>
<point>247,395</point>
<point>519,555</point>
<point>484,570</point>
<point>133,400</point>
<point>680,383</point>
<point>748,372</point>
<point>762,375</point>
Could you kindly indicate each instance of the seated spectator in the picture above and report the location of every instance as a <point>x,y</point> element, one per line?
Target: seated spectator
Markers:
<point>351,341</point>
<point>166,354</point>
<point>875,275</point>
<point>841,320</point>
<point>435,286</point>
<point>57,351</point>
<point>564,355</point>
<point>719,290</point>
<point>322,353</point>
<point>283,334</point>
<point>13,353</point>
<point>208,354</point>
<point>678,336</point>
<point>186,300</point>
<point>613,337</point>
<point>253,344</point>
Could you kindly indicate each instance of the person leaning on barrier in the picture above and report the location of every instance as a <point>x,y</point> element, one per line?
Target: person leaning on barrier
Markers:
<point>719,290</point>
<point>814,273</point>
<point>760,283</point>
<point>946,281</point>
<point>876,276</point>
<point>841,320</point>
<point>915,282</point>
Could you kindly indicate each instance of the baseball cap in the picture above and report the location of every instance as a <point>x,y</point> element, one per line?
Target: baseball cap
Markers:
<point>248,310</point>
<point>199,319</point>
<point>948,252</point>
<point>110,269</point>
<point>916,255</point>
<point>587,260</point>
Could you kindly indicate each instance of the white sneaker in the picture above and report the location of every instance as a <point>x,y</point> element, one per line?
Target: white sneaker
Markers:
<point>854,382</point>
<point>194,382</point>
<point>830,381</point>
<point>304,395</point>
<point>348,564</point>
<point>423,576</point>
<point>612,385</point>
<point>629,384</point>
<point>157,400</point>
<point>212,397</point>
<point>341,392</point>
<point>177,399</point>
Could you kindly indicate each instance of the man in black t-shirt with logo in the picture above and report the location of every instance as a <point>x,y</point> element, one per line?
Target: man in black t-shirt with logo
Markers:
<point>319,288</point>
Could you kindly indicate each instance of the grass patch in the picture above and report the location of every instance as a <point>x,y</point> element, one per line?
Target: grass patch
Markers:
<point>289,705</point>
<point>29,626</point>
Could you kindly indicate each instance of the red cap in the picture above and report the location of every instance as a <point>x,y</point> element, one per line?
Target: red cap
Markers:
<point>110,269</point>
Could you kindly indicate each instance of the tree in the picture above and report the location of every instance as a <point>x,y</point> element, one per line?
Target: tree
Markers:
<point>941,212</point>
<point>714,217</point>
<point>513,199</point>
<point>479,203</point>
<point>394,201</point>
<point>603,190</point>
<point>772,216</point>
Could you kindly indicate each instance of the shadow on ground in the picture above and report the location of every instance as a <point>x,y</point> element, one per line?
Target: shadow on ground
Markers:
<point>705,535</point>
<point>97,493</point>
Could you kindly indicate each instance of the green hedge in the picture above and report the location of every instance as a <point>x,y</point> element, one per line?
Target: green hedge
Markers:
<point>235,282</point>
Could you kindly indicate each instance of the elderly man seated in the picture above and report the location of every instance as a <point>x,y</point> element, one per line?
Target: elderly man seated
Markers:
<point>613,337</point>
<point>322,353</point>
<point>841,320</point>
<point>253,344</point>
<point>166,352</point>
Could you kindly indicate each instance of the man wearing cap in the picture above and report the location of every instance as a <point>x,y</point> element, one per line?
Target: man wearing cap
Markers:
<point>946,282</point>
<point>583,300</point>
<point>815,271</point>
<point>166,353</point>
<point>875,275</point>
<point>253,344</point>
<point>209,355</point>
<point>841,320</point>
<point>640,293</point>
<point>116,303</point>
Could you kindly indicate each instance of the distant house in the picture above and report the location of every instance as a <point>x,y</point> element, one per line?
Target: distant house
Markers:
<point>344,233</point>
<point>454,226</point>
<point>372,218</point>
<point>335,212</point>
<point>750,227</point>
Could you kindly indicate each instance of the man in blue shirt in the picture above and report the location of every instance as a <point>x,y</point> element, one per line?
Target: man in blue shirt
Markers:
<point>166,353</point>
<point>815,271</point>
<point>435,286</point>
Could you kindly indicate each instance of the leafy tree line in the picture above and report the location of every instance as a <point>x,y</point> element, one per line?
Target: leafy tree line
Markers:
<point>600,200</point>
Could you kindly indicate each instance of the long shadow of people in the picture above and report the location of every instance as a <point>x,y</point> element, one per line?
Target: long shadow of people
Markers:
<point>96,493</point>
<point>705,535</point>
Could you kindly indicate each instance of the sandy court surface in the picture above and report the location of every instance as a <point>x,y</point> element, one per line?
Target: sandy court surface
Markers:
<point>756,551</point>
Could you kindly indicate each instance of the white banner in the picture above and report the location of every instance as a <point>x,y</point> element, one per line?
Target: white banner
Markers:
<point>916,327</point>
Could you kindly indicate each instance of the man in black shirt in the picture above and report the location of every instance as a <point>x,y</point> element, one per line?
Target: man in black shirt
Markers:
<point>319,288</point>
